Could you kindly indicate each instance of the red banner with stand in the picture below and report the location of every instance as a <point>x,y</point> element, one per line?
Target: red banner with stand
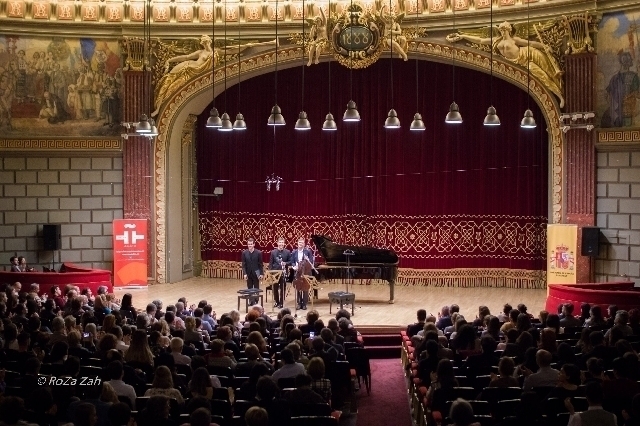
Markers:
<point>130,245</point>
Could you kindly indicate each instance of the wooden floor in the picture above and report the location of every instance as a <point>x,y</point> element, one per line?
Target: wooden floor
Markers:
<point>372,301</point>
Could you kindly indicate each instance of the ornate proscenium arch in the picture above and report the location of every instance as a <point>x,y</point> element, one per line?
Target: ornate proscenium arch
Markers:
<point>200,86</point>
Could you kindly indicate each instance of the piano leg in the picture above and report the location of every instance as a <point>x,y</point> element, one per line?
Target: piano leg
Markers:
<point>392,284</point>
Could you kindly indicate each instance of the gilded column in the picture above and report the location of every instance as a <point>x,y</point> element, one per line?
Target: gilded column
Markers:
<point>580,154</point>
<point>137,159</point>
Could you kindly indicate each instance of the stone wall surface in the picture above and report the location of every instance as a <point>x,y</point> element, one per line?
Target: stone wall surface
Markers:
<point>618,216</point>
<point>82,194</point>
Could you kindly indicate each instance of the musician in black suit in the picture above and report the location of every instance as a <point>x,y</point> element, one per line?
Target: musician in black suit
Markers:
<point>252,266</point>
<point>302,297</point>
<point>279,260</point>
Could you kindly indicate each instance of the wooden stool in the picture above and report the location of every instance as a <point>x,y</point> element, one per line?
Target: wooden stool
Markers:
<point>248,295</point>
<point>342,298</point>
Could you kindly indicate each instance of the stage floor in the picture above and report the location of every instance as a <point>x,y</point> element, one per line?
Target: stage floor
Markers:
<point>372,305</point>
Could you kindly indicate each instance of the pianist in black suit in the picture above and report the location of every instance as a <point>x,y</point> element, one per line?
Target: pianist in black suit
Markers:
<point>279,260</point>
<point>252,266</point>
<point>302,297</point>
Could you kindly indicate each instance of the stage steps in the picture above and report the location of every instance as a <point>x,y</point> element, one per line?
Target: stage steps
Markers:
<point>382,342</point>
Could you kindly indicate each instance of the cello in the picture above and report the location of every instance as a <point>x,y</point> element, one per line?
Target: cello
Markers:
<point>300,283</point>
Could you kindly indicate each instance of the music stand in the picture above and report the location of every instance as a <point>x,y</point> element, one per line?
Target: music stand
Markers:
<point>348,253</point>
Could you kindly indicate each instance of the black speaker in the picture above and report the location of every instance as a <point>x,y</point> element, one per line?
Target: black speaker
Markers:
<point>590,241</point>
<point>51,237</point>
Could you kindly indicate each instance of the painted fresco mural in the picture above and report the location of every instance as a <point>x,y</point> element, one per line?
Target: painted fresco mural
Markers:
<point>59,87</point>
<point>618,85</point>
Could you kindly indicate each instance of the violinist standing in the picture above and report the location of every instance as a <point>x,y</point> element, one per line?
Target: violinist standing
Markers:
<point>302,297</point>
<point>252,266</point>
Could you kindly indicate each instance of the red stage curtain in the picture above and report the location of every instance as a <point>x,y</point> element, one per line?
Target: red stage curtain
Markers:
<point>464,196</point>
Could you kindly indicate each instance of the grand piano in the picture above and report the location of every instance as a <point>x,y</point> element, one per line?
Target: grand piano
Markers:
<point>365,261</point>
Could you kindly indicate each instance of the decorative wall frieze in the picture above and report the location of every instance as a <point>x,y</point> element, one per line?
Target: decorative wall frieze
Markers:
<point>61,144</point>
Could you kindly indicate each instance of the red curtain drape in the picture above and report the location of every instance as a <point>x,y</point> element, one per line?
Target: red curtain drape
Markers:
<point>453,196</point>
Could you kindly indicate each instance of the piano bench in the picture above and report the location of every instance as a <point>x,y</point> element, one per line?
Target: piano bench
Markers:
<point>343,299</point>
<point>249,296</point>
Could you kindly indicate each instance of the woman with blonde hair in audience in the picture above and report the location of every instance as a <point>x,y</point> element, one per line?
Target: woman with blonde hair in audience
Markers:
<point>139,354</point>
<point>108,323</point>
<point>190,332</point>
<point>163,385</point>
<point>322,386</point>
<point>235,317</point>
<point>200,384</point>
<point>108,394</point>
<point>161,326</point>
<point>69,323</point>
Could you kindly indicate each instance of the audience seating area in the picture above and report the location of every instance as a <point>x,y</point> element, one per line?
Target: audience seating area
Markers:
<point>523,375</point>
<point>161,366</point>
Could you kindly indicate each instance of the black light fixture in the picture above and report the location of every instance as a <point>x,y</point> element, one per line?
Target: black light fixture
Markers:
<point>491,118</point>
<point>303,122</point>
<point>351,114</point>
<point>329,122</point>
<point>392,121</point>
<point>143,127</point>
<point>417,124</point>
<point>227,126</point>
<point>239,124</point>
<point>276,118</point>
<point>453,116</point>
<point>214,117</point>
<point>528,122</point>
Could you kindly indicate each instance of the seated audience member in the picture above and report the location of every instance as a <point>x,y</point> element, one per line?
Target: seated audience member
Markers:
<point>620,323</point>
<point>568,381</point>
<point>86,415</point>
<point>632,416</point>
<point>598,350</point>
<point>444,318</point>
<point>43,407</point>
<point>199,361</point>
<point>505,379</point>
<point>504,315</point>
<point>612,310</point>
<point>483,312</point>
<point>76,411</point>
<point>443,378</point>
<point>290,368</point>
<point>565,355</point>
<point>569,320</point>
<point>219,356</point>
<point>267,394</point>
<point>319,349</point>
<point>177,345</point>
<point>256,416</point>
<point>303,394</point>
<point>248,388</point>
<point>156,413</point>
<point>413,329</point>
<point>128,312</point>
<point>332,325</point>
<point>545,376</point>
<point>595,415</point>
<point>595,318</point>
<point>493,328</point>
<point>319,384</point>
<point>200,417</point>
<point>120,415</point>
<point>528,412</point>
<point>429,364</point>
<point>200,384</point>
<point>622,387</point>
<point>480,364</point>
<point>512,322</point>
<point>461,413</point>
<point>115,373</point>
<point>347,331</point>
<point>163,385</point>
<point>243,369</point>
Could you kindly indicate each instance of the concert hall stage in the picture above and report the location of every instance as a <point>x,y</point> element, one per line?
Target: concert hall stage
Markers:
<point>371,306</point>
